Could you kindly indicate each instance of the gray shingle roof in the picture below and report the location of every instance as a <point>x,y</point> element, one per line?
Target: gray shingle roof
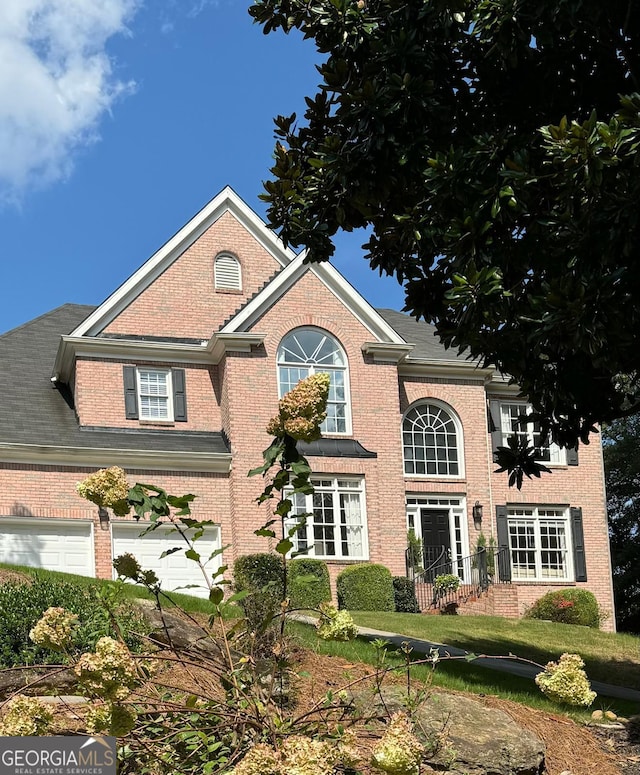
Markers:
<point>422,335</point>
<point>33,411</point>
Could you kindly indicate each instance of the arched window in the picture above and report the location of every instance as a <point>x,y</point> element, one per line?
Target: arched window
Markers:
<point>430,442</point>
<point>227,273</point>
<point>307,351</point>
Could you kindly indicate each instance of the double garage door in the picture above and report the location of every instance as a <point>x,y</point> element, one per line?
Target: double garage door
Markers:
<point>173,570</point>
<point>67,545</point>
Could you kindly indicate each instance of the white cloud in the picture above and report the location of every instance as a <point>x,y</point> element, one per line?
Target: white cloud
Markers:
<point>56,82</point>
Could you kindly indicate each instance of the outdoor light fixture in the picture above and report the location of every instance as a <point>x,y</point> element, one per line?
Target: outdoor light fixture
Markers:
<point>477,515</point>
<point>103,514</point>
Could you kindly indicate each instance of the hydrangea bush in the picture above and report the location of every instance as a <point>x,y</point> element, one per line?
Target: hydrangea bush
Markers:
<point>55,630</point>
<point>399,751</point>
<point>335,625</point>
<point>566,682</point>
<point>108,488</point>
<point>302,410</point>
<point>25,717</point>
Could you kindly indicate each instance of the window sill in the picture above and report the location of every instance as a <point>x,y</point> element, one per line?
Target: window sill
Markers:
<point>539,582</point>
<point>157,423</point>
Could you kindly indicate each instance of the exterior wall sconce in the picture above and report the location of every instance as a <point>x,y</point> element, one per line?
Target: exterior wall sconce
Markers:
<point>103,515</point>
<point>477,515</point>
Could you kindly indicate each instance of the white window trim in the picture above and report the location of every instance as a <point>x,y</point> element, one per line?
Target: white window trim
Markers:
<point>557,455</point>
<point>236,285</point>
<point>459,440</point>
<point>318,369</point>
<point>169,383</point>
<point>336,490</point>
<point>562,515</point>
<point>457,513</point>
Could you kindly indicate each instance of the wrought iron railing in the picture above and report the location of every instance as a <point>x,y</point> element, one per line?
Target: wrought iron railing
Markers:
<point>475,573</point>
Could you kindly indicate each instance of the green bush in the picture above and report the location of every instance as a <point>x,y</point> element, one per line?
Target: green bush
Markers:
<point>568,606</point>
<point>404,594</point>
<point>366,587</point>
<point>23,603</point>
<point>308,581</point>
<point>262,576</point>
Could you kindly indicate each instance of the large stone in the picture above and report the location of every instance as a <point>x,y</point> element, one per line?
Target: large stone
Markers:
<point>475,740</point>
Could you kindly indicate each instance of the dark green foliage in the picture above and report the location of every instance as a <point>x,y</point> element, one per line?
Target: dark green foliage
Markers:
<point>23,603</point>
<point>414,545</point>
<point>262,575</point>
<point>366,587</point>
<point>621,445</point>
<point>404,595</point>
<point>567,606</point>
<point>308,583</point>
<point>491,148</point>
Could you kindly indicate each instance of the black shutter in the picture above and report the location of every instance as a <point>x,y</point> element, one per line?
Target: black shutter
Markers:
<point>504,558</point>
<point>130,393</point>
<point>577,533</point>
<point>179,395</point>
<point>493,416</point>
<point>572,456</point>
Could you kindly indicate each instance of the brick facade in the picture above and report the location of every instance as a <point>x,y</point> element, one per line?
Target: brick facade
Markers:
<point>235,392</point>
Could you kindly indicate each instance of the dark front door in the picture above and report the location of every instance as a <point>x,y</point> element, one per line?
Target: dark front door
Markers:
<point>436,541</point>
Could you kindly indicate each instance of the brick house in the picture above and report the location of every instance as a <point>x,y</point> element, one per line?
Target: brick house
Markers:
<point>175,376</point>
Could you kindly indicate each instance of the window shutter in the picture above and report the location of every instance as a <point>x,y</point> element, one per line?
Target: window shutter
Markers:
<point>227,274</point>
<point>577,533</point>
<point>572,456</point>
<point>130,393</point>
<point>495,426</point>
<point>504,558</point>
<point>179,395</point>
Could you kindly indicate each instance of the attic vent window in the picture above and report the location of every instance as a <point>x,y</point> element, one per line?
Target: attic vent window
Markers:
<point>227,273</point>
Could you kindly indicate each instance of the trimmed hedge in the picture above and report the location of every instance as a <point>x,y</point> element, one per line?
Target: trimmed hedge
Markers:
<point>261,575</point>
<point>567,606</point>
<point>308,581</point>
<point>404,595</point>
<point>366,587</point>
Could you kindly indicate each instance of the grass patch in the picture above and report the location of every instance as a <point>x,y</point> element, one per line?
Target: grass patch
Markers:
<point>188,603</point>
<point>608,657</point>
<point>456,675</point>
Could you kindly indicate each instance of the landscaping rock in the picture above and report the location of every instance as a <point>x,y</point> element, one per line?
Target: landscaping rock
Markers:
<point>175,630</point>
<point>35,681</point>
<point>474,740</point>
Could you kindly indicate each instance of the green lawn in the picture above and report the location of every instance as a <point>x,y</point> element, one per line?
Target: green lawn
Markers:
<point>609,657</point>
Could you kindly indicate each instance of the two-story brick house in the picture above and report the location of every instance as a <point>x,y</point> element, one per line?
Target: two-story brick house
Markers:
<point>175,376</point>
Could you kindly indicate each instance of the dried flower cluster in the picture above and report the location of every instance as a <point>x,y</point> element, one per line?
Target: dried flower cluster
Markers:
<point>25,717</point>
<point>334,624</point>
<point>110,672</point>
<point>55,629</point>
<point>566,682</point>
<point>302,410</point>
<point>298,755</point>
<point>107,488</point>
<point>398,751</point>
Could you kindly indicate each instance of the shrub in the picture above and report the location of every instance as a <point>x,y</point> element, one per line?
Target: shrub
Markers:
<point>445,583</point>
<point>335,625</point>
<point>404,595</point>
<point>23,603</point>
<point>568,606</point>
<point>566,682</point>
<point>262,576</point>
<point>366,587</point>
<point>308,581</point>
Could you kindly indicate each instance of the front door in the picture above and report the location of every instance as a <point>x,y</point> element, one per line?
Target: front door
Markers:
<point>436,540</point>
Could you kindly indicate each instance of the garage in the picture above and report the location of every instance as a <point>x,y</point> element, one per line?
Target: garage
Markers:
<point>174,570</point>
<point>60,544</point>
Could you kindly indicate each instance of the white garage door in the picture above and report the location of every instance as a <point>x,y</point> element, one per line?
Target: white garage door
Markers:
<point>175,570</point>
<point>61,544</point>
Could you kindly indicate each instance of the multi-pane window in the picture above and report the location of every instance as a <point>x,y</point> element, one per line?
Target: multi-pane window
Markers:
<point>307,351</point>
<point>154,394</point>
<point>430,442</point>
<point>539,543</point>
<point>513,422</point>
<point>336,526</point>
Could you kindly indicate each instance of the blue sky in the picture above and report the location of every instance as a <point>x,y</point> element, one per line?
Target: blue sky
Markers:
<point>119,120</point>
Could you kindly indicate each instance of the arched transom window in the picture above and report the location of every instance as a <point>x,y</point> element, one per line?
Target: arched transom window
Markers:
<point>307,351</point>
<point>430,442</point>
